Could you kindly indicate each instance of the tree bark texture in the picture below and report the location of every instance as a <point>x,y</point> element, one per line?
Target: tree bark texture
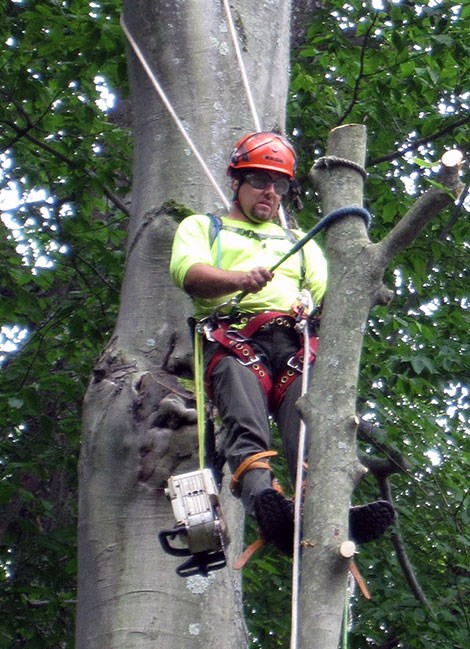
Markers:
<point>329,407</point>
<point>138,420</point>
<point>356,268</point>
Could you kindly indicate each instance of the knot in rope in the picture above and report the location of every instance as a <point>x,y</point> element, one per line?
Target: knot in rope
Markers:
<point>333,161</point>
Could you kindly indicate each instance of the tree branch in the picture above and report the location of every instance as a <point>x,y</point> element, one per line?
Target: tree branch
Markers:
<point>117,202</point>
<point>424,209</point>
<point>417,143</point>
<point>456,212</point>
<point>402,556</point>
<point>360,76</point>
<point>382,469</point>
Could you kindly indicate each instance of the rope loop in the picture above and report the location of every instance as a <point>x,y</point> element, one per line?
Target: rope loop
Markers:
<point>334,161</point>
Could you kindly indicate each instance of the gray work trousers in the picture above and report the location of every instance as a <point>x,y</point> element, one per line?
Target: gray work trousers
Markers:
<point>243,408</point>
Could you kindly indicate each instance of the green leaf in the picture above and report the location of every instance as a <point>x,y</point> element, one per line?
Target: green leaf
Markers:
<point>16,403</point>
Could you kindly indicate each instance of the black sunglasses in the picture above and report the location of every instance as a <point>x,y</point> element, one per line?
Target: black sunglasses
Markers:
<point>261,179</point>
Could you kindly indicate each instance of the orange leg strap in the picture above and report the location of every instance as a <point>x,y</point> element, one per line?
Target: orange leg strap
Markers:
<point>248,464</point>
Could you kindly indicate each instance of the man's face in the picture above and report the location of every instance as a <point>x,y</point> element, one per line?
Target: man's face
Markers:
<point>260,194</point>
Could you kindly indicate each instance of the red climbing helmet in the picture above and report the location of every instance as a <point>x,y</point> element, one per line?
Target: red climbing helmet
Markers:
<point>264,150</point>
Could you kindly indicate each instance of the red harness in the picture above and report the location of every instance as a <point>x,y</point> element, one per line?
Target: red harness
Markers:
<point>235,341</point>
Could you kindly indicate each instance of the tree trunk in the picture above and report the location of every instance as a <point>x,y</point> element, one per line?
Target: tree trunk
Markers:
<point>138,420</point>
<point>356,268</point>
<point>329,407</point>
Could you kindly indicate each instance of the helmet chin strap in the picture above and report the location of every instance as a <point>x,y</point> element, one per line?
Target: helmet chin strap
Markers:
<point>245,214</point>
<point>239,205</point>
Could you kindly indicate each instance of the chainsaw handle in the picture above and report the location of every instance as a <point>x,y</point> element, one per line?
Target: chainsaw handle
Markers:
<point>164,535</point>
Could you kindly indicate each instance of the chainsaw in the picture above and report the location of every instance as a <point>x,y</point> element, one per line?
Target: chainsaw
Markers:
<point>200,531</point>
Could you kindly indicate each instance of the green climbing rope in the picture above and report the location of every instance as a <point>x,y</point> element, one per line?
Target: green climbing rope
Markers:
<point>200,398</point>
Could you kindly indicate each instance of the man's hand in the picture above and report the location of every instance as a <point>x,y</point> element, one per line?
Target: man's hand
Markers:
<point>255,279</point>
<point>208,282</point>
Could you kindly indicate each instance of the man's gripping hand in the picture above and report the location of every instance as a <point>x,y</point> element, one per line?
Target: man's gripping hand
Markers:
<point>255,279</point>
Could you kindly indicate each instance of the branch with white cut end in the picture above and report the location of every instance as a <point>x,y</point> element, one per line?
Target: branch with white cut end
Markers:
<point>446,190</point>
<point>347,550</point>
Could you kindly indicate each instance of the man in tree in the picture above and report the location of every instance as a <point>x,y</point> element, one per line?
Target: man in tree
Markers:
<point>253,351</point>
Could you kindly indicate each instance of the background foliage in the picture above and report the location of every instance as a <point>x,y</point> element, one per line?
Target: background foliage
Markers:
<point>61,260</point>
<point>399,67</point>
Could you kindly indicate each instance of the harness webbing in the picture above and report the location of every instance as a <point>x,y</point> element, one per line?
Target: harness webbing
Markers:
<point>236,342</point>
<point>249,464</point>
<point>217,225</point>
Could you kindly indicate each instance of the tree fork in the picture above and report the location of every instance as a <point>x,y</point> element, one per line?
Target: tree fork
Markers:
<point>355,278</point>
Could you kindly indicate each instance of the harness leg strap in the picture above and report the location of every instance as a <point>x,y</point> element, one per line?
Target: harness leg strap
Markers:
<point>252,462</point>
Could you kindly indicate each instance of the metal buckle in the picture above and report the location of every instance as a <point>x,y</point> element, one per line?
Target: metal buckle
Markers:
<point>205,327</point>
<point>250,361</point>
<point>295,366</point>
<point>207,330</point>
<point>234,334</point>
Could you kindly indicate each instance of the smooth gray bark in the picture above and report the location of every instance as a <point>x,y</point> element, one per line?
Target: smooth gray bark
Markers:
<point>139,421</point>
<point>329,408</point>
<point>356,268</point>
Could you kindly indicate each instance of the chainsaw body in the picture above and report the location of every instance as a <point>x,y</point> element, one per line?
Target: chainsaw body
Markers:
<point>200,531</point>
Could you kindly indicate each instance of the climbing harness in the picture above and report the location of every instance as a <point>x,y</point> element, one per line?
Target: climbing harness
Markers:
<point>236,342</point>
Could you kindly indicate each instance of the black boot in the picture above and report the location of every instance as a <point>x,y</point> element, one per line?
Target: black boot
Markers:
<point>275,516</point>
<point>368,522</point>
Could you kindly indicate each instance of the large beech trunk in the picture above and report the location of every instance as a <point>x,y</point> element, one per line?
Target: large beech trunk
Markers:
<point>139,422</point>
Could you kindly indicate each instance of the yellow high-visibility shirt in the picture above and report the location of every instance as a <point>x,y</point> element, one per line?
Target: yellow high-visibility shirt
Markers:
<point>232,250</point>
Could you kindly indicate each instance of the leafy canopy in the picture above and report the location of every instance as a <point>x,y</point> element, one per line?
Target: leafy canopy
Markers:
<point>61,260</point>
<point>398,67</point>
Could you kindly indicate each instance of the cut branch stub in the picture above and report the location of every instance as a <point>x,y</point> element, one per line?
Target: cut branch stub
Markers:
<point>347,549</point>
<point>452,158</point>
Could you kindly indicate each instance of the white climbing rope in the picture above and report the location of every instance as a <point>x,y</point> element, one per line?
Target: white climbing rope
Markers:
<point>169,107</point>
<point>307,304</point>
<point>246,85</point>
<point>241,65</point>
